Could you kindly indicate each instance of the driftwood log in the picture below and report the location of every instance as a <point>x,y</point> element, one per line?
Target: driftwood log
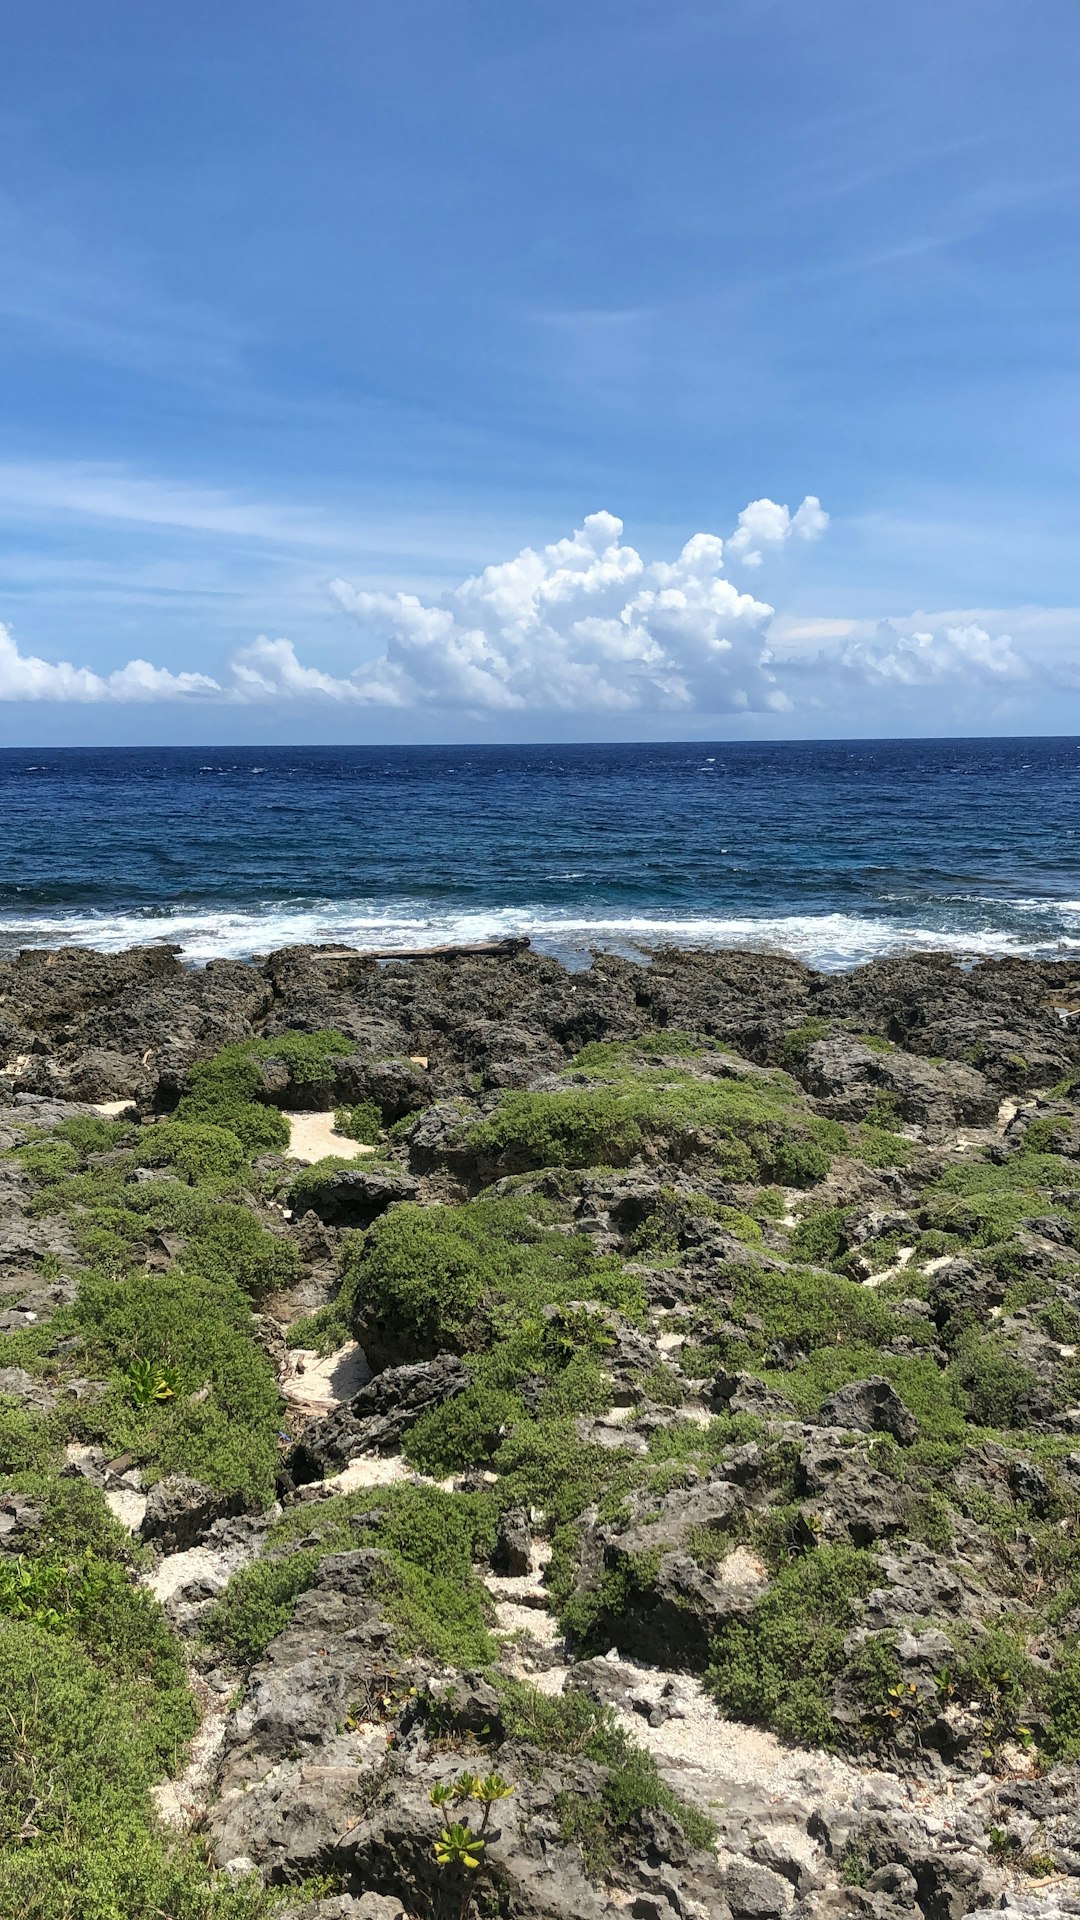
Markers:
<point>513,943</point>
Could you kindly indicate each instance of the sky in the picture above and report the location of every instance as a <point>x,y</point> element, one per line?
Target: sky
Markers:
<point>393,370</point>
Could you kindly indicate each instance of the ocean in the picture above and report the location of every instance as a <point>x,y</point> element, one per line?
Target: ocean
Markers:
<point>835,851</point>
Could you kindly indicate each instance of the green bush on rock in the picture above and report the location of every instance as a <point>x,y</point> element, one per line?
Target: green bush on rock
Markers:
<point>426,1280</point>
<point>775,1668</point>
<point>755,1128</point>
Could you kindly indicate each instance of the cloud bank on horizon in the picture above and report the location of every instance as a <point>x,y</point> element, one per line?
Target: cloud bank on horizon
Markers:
<point>585,625</point>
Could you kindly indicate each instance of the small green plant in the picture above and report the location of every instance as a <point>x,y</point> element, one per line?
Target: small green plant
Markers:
<point>459,1849</point>
<point>149,1384</point>
<point>854,1866</point>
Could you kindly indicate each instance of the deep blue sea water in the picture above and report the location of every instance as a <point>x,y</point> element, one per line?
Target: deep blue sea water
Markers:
<point>834,851</point>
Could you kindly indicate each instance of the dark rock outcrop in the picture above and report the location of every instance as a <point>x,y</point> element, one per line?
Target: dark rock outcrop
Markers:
<point>377,1418</point>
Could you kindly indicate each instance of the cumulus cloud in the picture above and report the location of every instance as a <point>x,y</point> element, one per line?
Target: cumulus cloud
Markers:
<point>24,677</point>
<point>929,656</point>
<point>764,524</point>
<point>585,624</point>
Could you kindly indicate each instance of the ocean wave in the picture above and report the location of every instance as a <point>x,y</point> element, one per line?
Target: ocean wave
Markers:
<point>827,940</point>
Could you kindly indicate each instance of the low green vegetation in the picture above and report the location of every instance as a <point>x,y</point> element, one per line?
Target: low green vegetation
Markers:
<point>430,1279</point>
<point>362,1122</point>
<point>229,1090</point>
<point>83,1736</point>
<point>428,1541</point>
<point>177,1249</point>
<point>601,1826</point>
<point>753,1128</point>
<point>777,1666</point>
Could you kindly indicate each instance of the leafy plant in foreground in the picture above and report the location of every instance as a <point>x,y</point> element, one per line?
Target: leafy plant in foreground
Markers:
<point>458,1847</point>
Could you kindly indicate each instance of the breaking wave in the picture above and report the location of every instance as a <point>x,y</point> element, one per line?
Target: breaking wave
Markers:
<point>826,940</point>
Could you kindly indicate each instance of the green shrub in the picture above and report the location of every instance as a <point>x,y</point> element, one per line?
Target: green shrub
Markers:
<point>230,1246</point>
<point>465,1432</point>
<point>306,1183</point>
<point>428,1279</point>
<point>28,1441</point>
<point>228,1091</point>
<point>776,1666</point>
<point>361,1122</point>
<point>805,1310</point>
<point>925,1390</point>
<point>671,1044</point>
<point>258,1603</point>
<point>80,1745</point>
<point>227,1435</point>
<point>204,1153</point>
<point>881,1147</point>
<point>798,1040</point>
<point>662,1230</point>
<point>752,1129</point>
<point>574,1725</point>
<point>819,1235</point>
<point>543,1463</point>
<point>426,1583</point>
<point>989,1382</point>
<point>1061,1702</point>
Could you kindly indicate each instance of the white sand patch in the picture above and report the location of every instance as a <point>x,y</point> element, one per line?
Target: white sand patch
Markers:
<point>533,1623</point>
<point>939,1260</point>
<point>128,1504</point>
<point>111,1109</point>
<point>316,1382</point>
<point>370,1470</point>
<point>712,1761</point>
<point>182,1801</point>
<point>195,1563</point>
<point>312,1136</point>
<point>903,1257</point>
<point>691,1410</point>
<point>741,1568</point>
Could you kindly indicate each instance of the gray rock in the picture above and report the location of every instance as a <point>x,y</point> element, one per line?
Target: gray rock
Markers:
<point>180,1512</point>
<point>355,1196</point>
<point>847,1077</point>
<point>755,1893</point>
<point>377,1418</point>
<point>513,1543</point>
<point>17,1384</point>
<point>896,1879</point>
<point>871,1406</point>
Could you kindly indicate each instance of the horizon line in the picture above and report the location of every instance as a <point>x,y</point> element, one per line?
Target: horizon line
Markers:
<point>495,746</point>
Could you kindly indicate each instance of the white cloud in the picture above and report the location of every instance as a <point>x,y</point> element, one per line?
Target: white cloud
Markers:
<point>25,677</point>
<point>583,625</point>
<point>765,524</point>
<point>928,656</point>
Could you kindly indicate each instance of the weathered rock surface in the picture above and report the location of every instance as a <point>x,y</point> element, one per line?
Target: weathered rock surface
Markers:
<point>745,1438</point>
<point>377,1418</point>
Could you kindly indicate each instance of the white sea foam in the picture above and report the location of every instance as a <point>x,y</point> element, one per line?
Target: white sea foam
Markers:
<point>829,940</point>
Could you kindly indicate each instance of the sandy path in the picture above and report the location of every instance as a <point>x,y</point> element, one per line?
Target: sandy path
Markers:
<point>313,1135</point>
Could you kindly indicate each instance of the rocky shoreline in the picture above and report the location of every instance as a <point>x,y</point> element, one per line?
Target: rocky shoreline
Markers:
<point>649,1443</point>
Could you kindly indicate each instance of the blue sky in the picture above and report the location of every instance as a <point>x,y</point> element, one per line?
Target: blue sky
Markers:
<point>309,315</point>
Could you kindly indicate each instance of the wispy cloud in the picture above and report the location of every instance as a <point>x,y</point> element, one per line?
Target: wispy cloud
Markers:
<point>102,305</point>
